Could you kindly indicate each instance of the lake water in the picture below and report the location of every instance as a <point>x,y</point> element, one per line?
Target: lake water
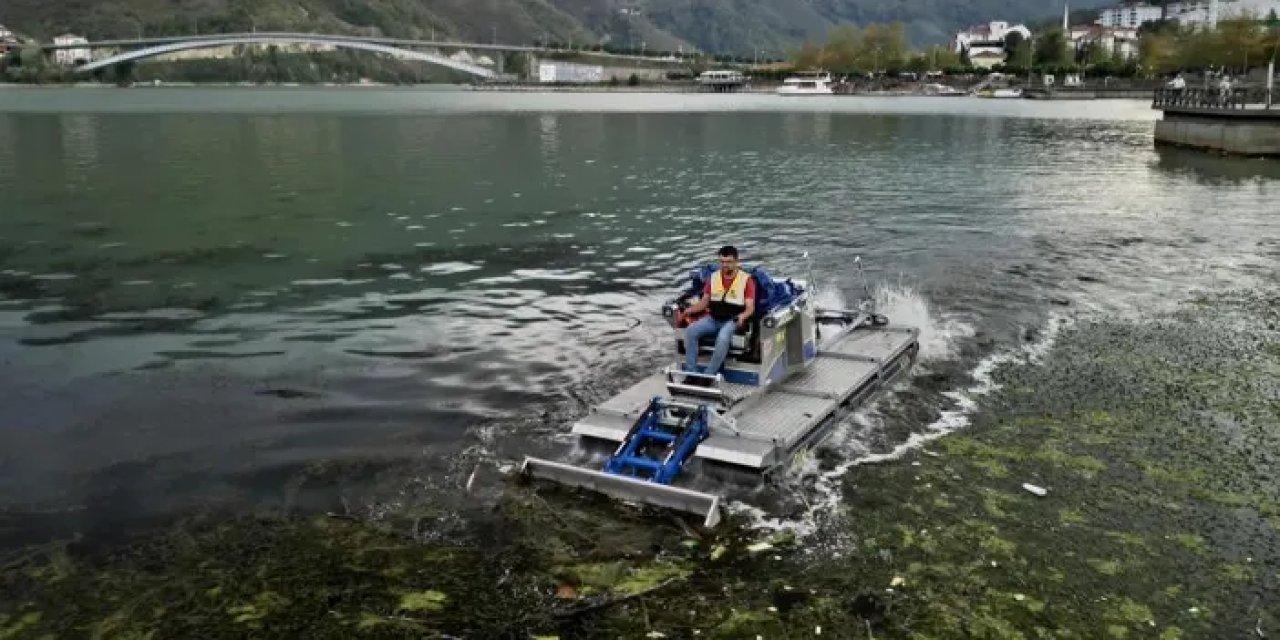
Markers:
<point>320,297</point>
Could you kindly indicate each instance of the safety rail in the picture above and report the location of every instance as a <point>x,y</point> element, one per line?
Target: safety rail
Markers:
<point>1212,99</point>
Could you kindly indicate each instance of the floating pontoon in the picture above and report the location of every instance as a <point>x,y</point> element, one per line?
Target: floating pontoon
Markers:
<point>788,373</point>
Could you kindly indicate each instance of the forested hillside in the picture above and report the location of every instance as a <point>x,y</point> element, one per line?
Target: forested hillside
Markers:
<point>719,26</point>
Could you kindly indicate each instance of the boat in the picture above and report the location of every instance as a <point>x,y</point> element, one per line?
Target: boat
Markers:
<point>1001,93</point>
<point>941,90</point>
<point>808,83</point>
<point>672,439</point>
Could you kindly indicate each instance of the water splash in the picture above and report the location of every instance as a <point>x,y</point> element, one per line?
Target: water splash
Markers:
<point>940,337</point>
<point>940,333</point>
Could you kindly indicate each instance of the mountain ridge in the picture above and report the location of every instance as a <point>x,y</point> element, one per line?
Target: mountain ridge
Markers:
<point>769,28</point>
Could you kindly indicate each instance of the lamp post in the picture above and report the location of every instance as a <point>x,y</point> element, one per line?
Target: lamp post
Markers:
<point>1271,79</point>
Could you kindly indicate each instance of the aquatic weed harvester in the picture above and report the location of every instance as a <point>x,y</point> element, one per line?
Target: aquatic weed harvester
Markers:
<point>789,371</point>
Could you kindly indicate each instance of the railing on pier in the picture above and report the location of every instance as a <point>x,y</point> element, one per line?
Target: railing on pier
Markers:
<point>1212,98</point>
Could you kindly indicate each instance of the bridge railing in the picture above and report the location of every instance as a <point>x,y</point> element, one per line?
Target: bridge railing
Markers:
<point>1212,98</point>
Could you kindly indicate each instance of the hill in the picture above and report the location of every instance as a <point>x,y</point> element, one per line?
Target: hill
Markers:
<point>769,27</point>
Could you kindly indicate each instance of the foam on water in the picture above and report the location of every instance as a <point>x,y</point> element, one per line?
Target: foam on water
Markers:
<point>940,337</point>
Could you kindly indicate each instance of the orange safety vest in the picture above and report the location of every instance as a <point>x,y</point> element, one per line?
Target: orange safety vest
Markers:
<point>731,301</point>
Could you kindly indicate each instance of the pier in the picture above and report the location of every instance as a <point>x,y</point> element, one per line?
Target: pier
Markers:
<point>1242,121</point>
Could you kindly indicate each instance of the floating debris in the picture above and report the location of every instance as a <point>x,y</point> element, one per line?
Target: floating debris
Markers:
<point>1040,491</point>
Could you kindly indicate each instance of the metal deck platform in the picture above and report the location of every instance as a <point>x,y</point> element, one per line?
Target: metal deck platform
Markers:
<point>773,421</point>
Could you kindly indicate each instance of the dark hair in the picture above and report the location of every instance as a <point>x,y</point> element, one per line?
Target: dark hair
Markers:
<point>729,251</point>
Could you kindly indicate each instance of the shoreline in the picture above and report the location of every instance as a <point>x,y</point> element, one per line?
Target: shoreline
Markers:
<point>1059,95</point>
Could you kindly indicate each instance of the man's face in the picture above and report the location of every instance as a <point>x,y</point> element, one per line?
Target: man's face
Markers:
<point>728,265</point>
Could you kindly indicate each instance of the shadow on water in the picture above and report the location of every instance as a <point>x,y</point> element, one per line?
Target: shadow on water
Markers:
<point>1214,169</point>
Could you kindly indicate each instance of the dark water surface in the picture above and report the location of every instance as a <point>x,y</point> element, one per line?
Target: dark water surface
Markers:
<point>275,297</point>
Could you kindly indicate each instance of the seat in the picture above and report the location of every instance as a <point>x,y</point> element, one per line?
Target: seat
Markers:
<point>745,346</point>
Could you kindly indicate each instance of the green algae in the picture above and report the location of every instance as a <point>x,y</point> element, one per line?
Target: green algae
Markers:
<point>1190,541</point>
<point>992,468</point>
<point>1105,567</point>
<point>19,625</point>
<point>1128,539</point>
<point>1131,445</point>
<point>252,613</point>
<point>745,623</point>
<point>619,577</point>
<point>429,600</point>
<point>1070,516</point>
<point>1236,572</point>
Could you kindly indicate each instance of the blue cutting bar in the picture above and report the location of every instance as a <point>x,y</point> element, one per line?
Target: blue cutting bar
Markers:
<point>656,452</point>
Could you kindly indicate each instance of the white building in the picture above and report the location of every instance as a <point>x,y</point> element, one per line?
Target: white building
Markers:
<point>1209,12</point>
<point>986,41</point>
<point>1123,40</point>
<point>1193,12</point>
<point>549,72</point>
<point>1128,16</point>
<point>7,35</point>
<point>73,56</point>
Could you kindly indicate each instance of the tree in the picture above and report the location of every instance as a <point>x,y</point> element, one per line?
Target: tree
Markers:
<point>940,57</point>
<point>1093,54</point>
<point>965,60</point>
<point>919,63</point>
<point>808,56</point>
<point>1021,56</point>
<point>124,73</point>
<point>1051,49</point>
<point>1117,58</point>
<point>1157,53</point>
<point>883,47</point>
<point>843,46</point>
<point>1011,44</point>
<point>1241,43</point>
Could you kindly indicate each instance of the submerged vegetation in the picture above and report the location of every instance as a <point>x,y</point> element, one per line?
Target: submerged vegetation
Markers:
<point>1156,443</point>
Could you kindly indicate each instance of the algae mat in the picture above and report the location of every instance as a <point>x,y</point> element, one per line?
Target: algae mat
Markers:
<point>1156,442</point>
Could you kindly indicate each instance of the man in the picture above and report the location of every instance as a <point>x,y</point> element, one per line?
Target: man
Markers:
<point>730,295</point>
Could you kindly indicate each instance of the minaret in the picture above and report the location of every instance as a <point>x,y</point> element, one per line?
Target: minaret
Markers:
<point>1066,18</point>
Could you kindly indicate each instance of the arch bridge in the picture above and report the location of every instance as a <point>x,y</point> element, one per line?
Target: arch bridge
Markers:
<point>207,42</point>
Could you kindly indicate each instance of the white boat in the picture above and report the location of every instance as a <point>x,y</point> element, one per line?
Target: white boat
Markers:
<point>1001,93</point>
<point>809,83</point>
<point>935,89</point>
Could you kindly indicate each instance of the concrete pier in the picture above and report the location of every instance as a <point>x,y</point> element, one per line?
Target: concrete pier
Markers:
<point>1235,122</point>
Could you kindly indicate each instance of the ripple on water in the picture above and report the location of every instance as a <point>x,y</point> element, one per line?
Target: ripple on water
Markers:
<point>448,268</point>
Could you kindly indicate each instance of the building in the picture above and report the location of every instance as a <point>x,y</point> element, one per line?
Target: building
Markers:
<point>8,40</point>
<point>1209,12</point>
<point>986,58</point>
<point>1128,16</point>
<point>1123,40</point>
<point>551,72</point>
<point>985,42</point>
<point>1191,13</point>
<point>71,56</point>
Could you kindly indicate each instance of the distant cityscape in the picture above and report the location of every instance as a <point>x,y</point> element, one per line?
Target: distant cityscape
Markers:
<point>1116,29</point>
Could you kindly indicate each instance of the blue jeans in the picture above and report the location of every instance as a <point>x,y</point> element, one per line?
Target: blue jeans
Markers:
<point>721,329</point>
